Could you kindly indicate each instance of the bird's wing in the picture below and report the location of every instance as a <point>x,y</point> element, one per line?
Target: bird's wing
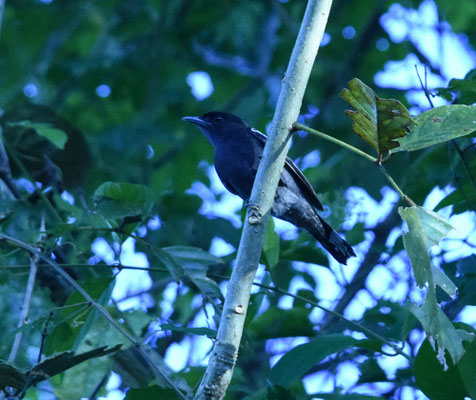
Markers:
<point>295,172</point>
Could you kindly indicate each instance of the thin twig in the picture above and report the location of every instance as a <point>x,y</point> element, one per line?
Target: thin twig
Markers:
<point>300,127</point>
<point>25,307</point>
<point>25,310</point>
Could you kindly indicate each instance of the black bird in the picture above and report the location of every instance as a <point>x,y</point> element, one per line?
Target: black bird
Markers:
<point>238,149</point>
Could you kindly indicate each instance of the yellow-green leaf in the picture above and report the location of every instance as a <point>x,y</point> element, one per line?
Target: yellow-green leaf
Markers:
<point>377,121</point>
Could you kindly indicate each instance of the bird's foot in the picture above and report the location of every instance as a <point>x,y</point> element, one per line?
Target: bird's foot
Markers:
<point>254,215</point>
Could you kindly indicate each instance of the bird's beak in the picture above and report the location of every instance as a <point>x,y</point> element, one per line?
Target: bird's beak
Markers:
<point>197,121</point>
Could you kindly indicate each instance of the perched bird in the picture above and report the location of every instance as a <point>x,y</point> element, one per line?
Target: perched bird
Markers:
<point>238,149</point>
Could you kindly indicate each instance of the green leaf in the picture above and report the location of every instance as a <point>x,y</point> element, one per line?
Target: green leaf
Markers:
<point>170,263</point>
<point>426,229</point>
<point>48,131</point>
<point>79,317</point>
<point>439,125</point>
<point>464,88</point>
<point>194,263</point>
<point>296,362</point>
<point>440,330</point>
<point>356,235</point>
<point>192,254</point>
<point>271,245</point>
<point>443,281</point>
<point>371,372</point>
<point>119,200</point>
<point>305,253</point>
<point>467,364</point>
<point>456,381</point>
<point>377,121</point>
<point>461,199</point>
<point>467,265</point>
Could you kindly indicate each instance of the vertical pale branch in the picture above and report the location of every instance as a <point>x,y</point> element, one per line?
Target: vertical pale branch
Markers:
<point>220,369</point>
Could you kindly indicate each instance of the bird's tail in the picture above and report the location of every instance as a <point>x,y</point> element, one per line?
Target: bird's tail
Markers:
<point>331,241</point>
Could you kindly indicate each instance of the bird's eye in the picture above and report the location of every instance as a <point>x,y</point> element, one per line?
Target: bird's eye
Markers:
<point>218,119</point>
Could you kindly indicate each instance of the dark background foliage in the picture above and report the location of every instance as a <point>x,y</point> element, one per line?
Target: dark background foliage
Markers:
<point>110,78</point>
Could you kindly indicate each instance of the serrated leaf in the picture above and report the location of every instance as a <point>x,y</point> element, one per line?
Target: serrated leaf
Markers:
<point>48,131</point>
<point>296,362</point>
<point>379,122</point>
<point>439,125</point>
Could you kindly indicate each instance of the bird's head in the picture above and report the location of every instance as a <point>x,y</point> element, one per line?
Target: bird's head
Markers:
<point>217,125</point>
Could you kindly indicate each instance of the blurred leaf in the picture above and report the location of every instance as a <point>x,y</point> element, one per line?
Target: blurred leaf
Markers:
<point>467,265</point>
<point>464,89</point>
<point>439,125</point>
<point>377,121</point>
<point>356,235</point>
<point>371,372</point>
<point>48,131</point>
<point>388,319</point>
<point>461,199</point>
<point>43,142</point>
<point>192,254</point>
<point>195,263</point>
<point>277,323</point>
<point>119,200</point>
<point>296,362</point>
<point>170,263</point>
<point>305,253</point>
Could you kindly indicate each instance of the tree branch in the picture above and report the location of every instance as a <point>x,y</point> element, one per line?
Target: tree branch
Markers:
<point>220,369</point>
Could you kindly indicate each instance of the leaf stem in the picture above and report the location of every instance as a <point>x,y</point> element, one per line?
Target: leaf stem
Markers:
<point>396,187</point>
<point>300,127</point>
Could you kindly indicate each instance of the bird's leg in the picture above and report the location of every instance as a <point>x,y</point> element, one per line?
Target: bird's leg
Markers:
<point>254,214</point>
